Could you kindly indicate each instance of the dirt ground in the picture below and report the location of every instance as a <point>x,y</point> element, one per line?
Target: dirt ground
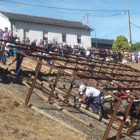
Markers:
<point>134,65</point>
<point>18,122</point>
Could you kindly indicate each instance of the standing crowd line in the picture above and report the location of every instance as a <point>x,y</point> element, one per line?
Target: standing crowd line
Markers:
<point>76,50</point>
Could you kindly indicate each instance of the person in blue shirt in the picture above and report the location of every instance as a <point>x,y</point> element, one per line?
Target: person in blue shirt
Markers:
<point>6,30</point>
<point>17,57</point>
<point>136,56</point>
<point>46,45</point>
<point>54,42</point>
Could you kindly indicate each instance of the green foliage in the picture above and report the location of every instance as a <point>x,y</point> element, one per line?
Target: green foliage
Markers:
<point>121,43</point>
<point>135,47</point>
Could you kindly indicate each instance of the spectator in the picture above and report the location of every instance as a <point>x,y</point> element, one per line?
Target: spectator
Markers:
<point>1,34</point>
<point>34,43</point>
<point>12,39</point>
<point>41,44</point>
<point>136,56</point>
<point>120,56</point>
<point>6,30</point>
<point>6,35</point>
<point>46,45</point>
<point>125,53</point>
<point>54,42</point>
<point>27,41</point>
<point>124,60</point>
<point>15,37</point>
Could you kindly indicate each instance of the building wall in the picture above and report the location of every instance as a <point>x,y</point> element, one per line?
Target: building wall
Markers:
<point>4,22</point>
<point>54,32</point>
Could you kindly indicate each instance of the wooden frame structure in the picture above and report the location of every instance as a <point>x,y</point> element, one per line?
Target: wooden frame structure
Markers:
<point>104,73</point>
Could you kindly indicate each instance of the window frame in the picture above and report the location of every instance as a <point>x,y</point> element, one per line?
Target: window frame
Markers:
<point>79,39</point>
<point>45,38</point>
<point>64,40</point>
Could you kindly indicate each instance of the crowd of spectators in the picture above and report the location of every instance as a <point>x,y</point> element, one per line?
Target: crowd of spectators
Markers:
<point>76,50</point>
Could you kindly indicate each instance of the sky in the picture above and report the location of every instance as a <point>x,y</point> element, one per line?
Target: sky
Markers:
<point>105,27</point>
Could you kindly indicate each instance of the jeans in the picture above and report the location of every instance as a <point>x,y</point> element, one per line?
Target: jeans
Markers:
<point>98,102</point>
<point>18,64</point>
<point>3,59</point>
<point>49,62</point>
<point>136,59</point>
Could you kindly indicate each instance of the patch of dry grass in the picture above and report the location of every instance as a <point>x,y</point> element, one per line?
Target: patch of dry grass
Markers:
<point>22,123</point>
<point>134,65</point>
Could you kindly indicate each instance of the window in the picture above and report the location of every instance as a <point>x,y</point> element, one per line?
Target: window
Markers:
<point>78,39</point>
<point>26,33</point>
<point>64,38</point>
<point>45,35</point>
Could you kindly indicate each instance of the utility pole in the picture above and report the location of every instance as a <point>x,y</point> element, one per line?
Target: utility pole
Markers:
<point>129,28</point>
<point>87,19</point>
<point>83,20</point>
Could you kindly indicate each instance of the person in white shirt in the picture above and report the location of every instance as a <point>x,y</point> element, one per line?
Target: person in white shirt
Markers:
<point>92,94</point>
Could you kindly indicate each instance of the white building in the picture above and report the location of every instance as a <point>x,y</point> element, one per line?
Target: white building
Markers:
<point>63,31</point>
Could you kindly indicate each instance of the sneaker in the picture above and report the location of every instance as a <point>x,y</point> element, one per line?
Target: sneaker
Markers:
<point>96,112</point>
<point>100,117</point>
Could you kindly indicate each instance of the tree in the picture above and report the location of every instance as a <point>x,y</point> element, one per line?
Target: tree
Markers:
<point>135,47</point>
<point>121,43</point>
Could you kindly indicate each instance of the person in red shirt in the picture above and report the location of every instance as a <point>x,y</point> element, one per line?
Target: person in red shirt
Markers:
<point>123,97</point>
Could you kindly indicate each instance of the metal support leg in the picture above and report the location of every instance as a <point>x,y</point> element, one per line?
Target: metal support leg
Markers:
<point>55,83</point>
<point>33,84</point>
<point>75,68</point>
<point>133,121</point>
<point>111,121</point>
<point>124,119</point>
<point>36,67</point>
<point>71,86</point>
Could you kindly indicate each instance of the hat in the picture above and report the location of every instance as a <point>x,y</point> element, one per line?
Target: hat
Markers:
<point>7,44</point>
<point>81,93</point>
<point>17,40</point>
<point>82,87</point>
<point>87,53</point>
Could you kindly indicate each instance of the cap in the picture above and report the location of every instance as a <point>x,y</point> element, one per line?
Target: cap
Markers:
<point>81,93</point>
<point>7,44</point>
<point>17,40</point>
<point>6,48</point>
<point>87,53</point>
<point>82,87</point>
